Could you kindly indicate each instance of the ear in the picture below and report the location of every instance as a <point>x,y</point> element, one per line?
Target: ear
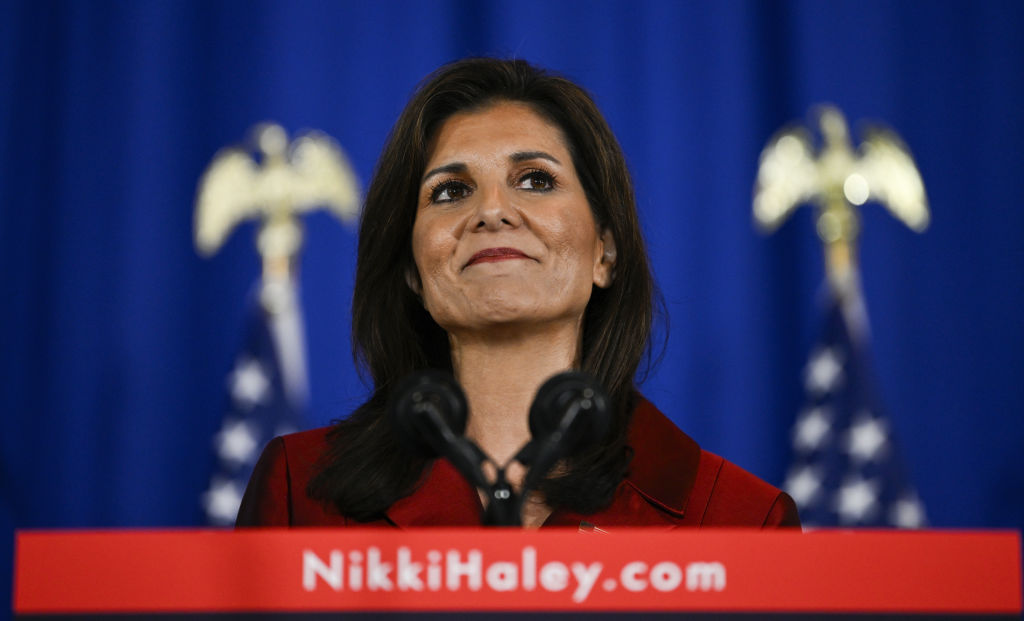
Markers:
<point>604,268</point>
<point>412,278</point>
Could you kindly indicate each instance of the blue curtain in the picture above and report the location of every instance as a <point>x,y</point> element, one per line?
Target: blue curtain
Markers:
<point>116,336</point>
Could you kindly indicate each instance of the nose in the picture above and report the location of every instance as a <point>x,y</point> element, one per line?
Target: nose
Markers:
<point>495,210</point>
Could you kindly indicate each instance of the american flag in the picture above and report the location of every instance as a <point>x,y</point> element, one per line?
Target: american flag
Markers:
<point>847,469</point>
<point>267,394</point>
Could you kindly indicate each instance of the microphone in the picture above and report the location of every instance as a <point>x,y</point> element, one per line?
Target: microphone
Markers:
<point>570,411</point>
<point>429,411</point>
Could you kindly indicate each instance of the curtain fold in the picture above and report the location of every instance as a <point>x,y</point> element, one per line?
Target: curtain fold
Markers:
<point>117,337</point>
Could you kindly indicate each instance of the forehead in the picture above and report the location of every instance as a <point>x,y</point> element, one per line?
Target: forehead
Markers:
<point>497,130</point>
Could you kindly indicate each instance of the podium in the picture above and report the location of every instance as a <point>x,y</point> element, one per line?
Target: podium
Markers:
<point>319,573</point>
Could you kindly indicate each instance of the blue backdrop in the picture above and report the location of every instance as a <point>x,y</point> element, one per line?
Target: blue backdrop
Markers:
<point>116,336</point>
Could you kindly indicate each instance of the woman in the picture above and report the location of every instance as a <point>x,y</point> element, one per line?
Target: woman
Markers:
<point>500,241</point>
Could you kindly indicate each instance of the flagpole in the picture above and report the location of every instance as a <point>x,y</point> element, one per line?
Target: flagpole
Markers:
<point>846,470</point>
<point>274,182</point>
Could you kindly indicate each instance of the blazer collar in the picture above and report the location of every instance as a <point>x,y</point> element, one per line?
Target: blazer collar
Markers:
<point>662,473</point>
<point>665,460</point>
<point>444,498</point>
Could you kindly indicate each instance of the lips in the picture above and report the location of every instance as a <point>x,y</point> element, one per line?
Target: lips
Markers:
<point>489,255</point>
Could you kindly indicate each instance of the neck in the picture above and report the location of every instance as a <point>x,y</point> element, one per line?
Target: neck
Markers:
<point>500,371</point>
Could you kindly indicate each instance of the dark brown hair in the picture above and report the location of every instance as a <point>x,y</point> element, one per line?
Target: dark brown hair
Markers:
<point>365,469</point>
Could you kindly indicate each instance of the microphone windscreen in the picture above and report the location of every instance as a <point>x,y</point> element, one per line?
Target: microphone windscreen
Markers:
<point>425,407</point>
<point>557,398</point>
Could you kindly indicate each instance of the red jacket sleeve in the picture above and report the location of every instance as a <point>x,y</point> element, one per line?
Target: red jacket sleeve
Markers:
<point>738,498</point>
<point>267,499</point>
<point>783,513</point>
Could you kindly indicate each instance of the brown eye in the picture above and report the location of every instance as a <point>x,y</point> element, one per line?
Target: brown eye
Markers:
<point>537,181</point>
<point>449,191</point>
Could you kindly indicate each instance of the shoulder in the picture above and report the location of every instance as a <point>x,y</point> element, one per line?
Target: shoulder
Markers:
<point>736,497</point>
<point>276,493</point>
<point>696,486</point>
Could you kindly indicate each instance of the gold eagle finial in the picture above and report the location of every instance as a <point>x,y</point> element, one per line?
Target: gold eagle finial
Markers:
<point>283,181</point>
<point>836,179</point>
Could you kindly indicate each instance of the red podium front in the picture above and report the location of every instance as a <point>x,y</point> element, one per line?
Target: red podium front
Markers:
<point>311,571</point>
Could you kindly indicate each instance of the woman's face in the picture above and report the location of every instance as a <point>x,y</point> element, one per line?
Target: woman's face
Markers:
<point>504,233</point>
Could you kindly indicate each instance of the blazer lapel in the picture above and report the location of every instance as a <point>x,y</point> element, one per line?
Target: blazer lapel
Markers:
<point>655,493</point>
<point>443,498</point>
<point>660,481</point>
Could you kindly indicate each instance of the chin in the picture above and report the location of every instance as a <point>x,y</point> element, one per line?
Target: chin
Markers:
<point>506,307</point>
<point>498,319</point>
<point>502,315</point>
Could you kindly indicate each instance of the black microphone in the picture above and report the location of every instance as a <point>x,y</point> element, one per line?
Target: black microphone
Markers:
<point>429,411</point>
<point>569,412</point>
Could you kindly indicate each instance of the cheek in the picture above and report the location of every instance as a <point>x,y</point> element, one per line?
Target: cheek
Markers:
<point>432,247</point>
<point>424,246</point>
<point>577,244</point>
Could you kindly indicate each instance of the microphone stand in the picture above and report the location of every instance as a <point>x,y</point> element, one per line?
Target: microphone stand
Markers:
<point>504,508</point>
<point>504,504</point>
<point>431,413</point>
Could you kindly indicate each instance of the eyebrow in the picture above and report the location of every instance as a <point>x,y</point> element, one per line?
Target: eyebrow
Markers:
<point>518,156</point>
<point>522,156</point>
<point>454,167</point>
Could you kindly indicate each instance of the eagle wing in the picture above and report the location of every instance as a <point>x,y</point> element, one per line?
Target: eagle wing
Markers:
<point>892,177</point>
<point>225,197</point>
<point>786,177</point>
<point>323,176</point>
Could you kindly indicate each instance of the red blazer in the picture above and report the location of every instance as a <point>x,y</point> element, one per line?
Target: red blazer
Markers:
<point>672,483</point>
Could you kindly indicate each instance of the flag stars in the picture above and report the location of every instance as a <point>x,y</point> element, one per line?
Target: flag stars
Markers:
<point>907,512</point>
<point>249,384</point>
<point>803,484</point>
<point>237,442</point>
<point>867,438</point>
<point>846,469</point>
<point>222,501</point>
<point>857,501</point>
<point>824,371</point>
<point>811,429</point>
